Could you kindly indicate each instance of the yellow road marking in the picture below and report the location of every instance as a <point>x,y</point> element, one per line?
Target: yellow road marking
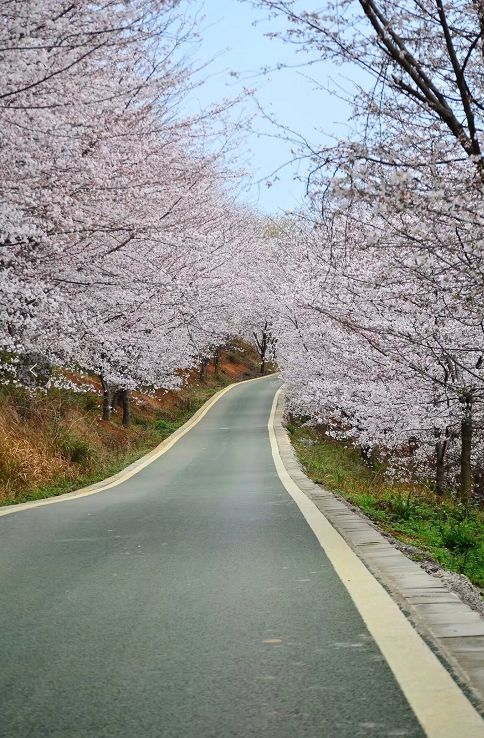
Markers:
<point>440,706</point>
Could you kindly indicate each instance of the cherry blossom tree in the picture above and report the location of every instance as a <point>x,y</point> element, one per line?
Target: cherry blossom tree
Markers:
<point>401,203</point>
<point>117,228</point>
<point>369,351</point>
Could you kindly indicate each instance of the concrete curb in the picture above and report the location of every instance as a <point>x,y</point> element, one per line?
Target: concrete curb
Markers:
<point>455,631</point>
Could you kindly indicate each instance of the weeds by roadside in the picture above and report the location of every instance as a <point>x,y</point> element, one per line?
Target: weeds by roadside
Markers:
<point>448,531</point>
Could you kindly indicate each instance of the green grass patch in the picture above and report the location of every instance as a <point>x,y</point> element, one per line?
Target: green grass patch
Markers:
<point>444,529</point>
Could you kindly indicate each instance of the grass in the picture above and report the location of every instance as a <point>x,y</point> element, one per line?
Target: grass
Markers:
<point>56,442</point>
<point>441,529</point>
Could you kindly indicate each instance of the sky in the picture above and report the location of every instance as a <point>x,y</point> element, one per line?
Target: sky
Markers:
<point>232,39</point>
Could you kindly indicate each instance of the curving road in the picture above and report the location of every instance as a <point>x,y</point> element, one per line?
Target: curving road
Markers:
<point>191,601</point>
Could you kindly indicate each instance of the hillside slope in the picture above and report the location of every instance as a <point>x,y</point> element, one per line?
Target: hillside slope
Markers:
<point>56,441</point>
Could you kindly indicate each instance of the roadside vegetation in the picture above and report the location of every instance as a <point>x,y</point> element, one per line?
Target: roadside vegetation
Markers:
<point>441,528</point>
<point>56,441</point>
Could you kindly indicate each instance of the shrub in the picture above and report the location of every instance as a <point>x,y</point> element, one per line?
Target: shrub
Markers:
<point>164,426</point>
<point>90,402</point>
<point>233,356</point>
<point>142,422</point>
<point>459,536</point>
<point>75,449</point>
<point>403,507</point>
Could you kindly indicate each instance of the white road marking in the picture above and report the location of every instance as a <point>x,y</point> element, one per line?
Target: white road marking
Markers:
<point>439,704</point>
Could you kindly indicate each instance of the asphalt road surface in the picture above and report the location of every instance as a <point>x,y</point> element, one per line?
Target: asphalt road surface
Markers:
<point>191,601</point>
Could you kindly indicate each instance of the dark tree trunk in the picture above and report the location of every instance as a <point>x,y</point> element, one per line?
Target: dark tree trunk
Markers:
<point>368,456</point>
<point>479,482</point>
<point>216,359</point>
<point>465,454</point>
<point>441,445</point>
<point>203,370</point>
<point>124,398</point>
<point>262,344</point>
<point>106,399</point>
<point>440,448</point>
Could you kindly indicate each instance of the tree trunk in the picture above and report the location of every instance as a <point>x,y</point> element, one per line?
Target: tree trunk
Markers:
<point>124,397</point>
<point>106,399</point>
<point>440,468</point>
<point>203,370</point>
<point>216,360</point>
<point>479,483</point>
<point>465,454</point>
<point>263,351</point>
<point>262,344</point>
<point>368,456</point>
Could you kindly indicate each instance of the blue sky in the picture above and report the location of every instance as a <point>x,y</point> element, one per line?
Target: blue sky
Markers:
<point>234,44</point>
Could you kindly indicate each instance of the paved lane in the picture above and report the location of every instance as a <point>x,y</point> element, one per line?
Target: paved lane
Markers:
<point>192,601</point>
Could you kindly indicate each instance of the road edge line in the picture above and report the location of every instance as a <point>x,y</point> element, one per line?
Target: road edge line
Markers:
<point>438,703</point>
<point>136,466</point>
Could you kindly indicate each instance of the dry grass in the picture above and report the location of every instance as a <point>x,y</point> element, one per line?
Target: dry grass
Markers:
<point>27,456</point>
<point>51,442</point>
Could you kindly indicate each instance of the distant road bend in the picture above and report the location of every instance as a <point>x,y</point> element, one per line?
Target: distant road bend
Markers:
<point>191,601</point>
